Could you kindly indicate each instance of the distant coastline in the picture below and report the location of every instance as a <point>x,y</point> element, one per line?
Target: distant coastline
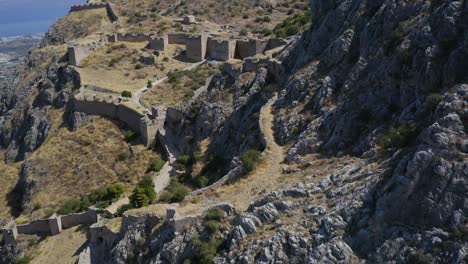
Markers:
<point>22,17</point>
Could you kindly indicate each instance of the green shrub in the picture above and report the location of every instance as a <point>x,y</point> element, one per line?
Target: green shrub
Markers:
<point>183,160</point>
<point>23,260</point>
<point>149,84</point>
<point>243,32</point>
<point>215,214</point>
<point>206,251</point>
<point>103,204</point>
<point>250,159</point>
<point>127,94</point>
<point>202,181</point>
<point>432,101</point>
<point>122,156</point>
<point>74,206</point>
<point>212,227</point>
<point>122,209</point>
<point>292,25</point>
<point>115,191</point>
<point>398,137</point>
<point>138,66</point>
<point>266,19</point>
<point>129,135</point>
<point>396,37</point>
<point>37,206</point>
<point>156,164</point>
<point>143,194</point>
<point>175,192</point>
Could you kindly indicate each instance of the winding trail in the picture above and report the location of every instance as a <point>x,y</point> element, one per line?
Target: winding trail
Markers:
<point>267,176</point>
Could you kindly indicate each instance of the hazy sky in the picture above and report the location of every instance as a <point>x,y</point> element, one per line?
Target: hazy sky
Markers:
<point>19,17</point>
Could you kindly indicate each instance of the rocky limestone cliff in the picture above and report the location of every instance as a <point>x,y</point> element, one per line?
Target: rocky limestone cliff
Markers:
<point>383,82</point>
<point>377,88</point>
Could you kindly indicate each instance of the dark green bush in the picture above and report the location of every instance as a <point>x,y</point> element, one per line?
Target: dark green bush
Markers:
<point>206,251</point>
<point>156,164</point>
<point>138,66</point>
<point>215,214</point>
<point>432,101</point>
<point>292,25</point>
<point>74,206</point>
<point>103,204</point>
<point>122,156</point>
<point>122,209</point>
<point>202,181</point>
<point>126,94</point>
<point>212,227</point>
<point>398,137</point>
<point>149,84</point>
<point>144,193</point>
<point>175,192</point>
<point>183,160</point>
<point>250,159</point>
<point>23,260</point>
<point>129,135</point>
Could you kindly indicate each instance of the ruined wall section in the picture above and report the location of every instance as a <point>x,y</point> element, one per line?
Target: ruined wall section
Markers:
<point>112,107</point>
<point>78,52</point>
<point>249,48</point>
<point>196,47</point>
<point>219,49</point>
<point>177,38</point>
<point>110,11</point>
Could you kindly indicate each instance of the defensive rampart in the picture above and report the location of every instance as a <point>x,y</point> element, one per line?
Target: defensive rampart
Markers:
<point>145,124</point>
<point>110,12</point>
<point>221,49</point>
<point>78,52</point>
<point>50,226</point>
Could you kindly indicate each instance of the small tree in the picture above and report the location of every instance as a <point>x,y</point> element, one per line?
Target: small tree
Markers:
<point>149,84</point>
<point>126,94</point>
<point>144,193</point>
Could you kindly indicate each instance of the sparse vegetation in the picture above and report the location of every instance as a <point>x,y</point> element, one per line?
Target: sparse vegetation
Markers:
<point>293,25</point>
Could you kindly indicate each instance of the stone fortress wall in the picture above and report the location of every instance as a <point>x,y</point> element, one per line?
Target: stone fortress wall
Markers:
<point>78,52</point>
<point>145,124</point>
<point>49,226</point>
<point>198,47</point>
<point>110,12</point>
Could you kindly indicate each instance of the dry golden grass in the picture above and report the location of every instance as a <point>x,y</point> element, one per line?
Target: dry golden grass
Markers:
<point>143,15</point>
<point>8,179</point>
<point>114,66</point>
<point>179,88</point>
<point>80,161</point>
<point>88,21</point>
<point>62,248</point>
